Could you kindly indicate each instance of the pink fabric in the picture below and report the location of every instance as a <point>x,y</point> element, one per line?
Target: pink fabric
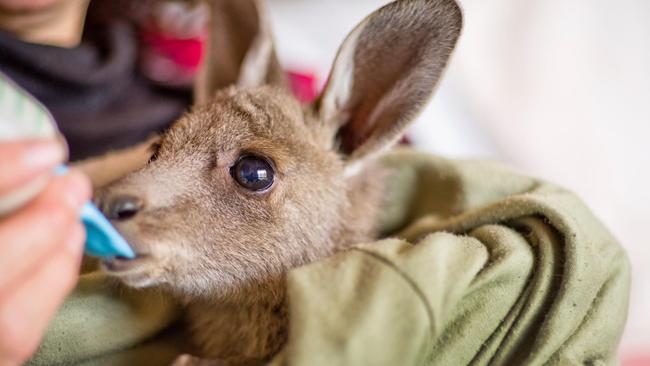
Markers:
<point>303,85</point>
<point>638,360</point>
<point>185,53</point>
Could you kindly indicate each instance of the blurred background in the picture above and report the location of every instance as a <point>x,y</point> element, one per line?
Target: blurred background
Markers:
<point>558,89</point>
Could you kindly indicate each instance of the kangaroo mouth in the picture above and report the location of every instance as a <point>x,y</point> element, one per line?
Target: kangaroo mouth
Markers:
<point>123,264</point>
<point>139,272</point>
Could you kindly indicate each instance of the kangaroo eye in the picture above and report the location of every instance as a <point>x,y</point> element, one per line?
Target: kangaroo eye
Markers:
<point>253,172</point>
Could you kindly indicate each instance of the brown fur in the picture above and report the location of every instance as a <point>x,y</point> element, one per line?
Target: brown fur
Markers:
<point>224,250</point>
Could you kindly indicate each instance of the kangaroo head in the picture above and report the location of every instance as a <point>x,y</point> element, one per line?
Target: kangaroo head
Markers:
<point>250,182</point>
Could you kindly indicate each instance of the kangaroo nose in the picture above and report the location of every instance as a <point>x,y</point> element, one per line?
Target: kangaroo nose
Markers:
<point>122,208</point>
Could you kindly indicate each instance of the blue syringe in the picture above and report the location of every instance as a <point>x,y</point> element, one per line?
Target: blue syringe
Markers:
<point>102,240</point>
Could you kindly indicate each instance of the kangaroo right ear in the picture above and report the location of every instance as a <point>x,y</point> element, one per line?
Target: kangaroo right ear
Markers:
<point>386,71</point>
<point>240,49</point>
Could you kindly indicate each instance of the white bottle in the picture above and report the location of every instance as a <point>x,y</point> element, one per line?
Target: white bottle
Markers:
<point>22,117</point>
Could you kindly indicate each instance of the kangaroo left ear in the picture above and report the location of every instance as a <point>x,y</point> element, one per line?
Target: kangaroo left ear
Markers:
<point>386,71</point>
<point>240,49</point>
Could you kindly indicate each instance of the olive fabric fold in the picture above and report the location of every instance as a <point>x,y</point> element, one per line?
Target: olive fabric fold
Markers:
<point>480,266</point>
<point>101,322</point>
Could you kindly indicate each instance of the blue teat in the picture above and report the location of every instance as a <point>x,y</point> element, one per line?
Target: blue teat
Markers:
<point>102,240</point>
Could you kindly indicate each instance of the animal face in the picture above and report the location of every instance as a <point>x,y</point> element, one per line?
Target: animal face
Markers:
<point>250,182</point>
<point>239,189</point>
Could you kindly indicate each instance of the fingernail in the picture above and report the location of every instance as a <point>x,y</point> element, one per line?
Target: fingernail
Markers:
<point>43,154</point>
<point>77,190</point>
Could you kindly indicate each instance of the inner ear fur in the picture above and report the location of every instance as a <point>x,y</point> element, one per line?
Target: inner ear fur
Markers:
<point>386,71</point>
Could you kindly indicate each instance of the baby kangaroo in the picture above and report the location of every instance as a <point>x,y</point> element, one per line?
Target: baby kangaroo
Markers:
<point>251,183</point>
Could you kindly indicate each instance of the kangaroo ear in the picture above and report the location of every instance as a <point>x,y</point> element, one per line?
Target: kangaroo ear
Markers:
<point>240,49</point>
<point>386,71</point>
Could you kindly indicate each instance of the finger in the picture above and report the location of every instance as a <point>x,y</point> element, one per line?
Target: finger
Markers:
<point>26,312</point>
<point>22,161</point>
<point>30,236</point>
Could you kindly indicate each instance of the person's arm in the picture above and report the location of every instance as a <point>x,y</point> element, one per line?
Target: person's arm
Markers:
<point>41,245</point>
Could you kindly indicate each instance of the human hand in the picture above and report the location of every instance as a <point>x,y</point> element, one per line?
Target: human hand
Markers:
<point>41,245</point>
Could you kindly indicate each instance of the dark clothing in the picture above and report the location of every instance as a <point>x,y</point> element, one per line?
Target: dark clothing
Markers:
<point>94,90</point>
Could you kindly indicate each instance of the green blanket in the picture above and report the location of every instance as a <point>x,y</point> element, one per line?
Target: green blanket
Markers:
<point>483,266</point>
